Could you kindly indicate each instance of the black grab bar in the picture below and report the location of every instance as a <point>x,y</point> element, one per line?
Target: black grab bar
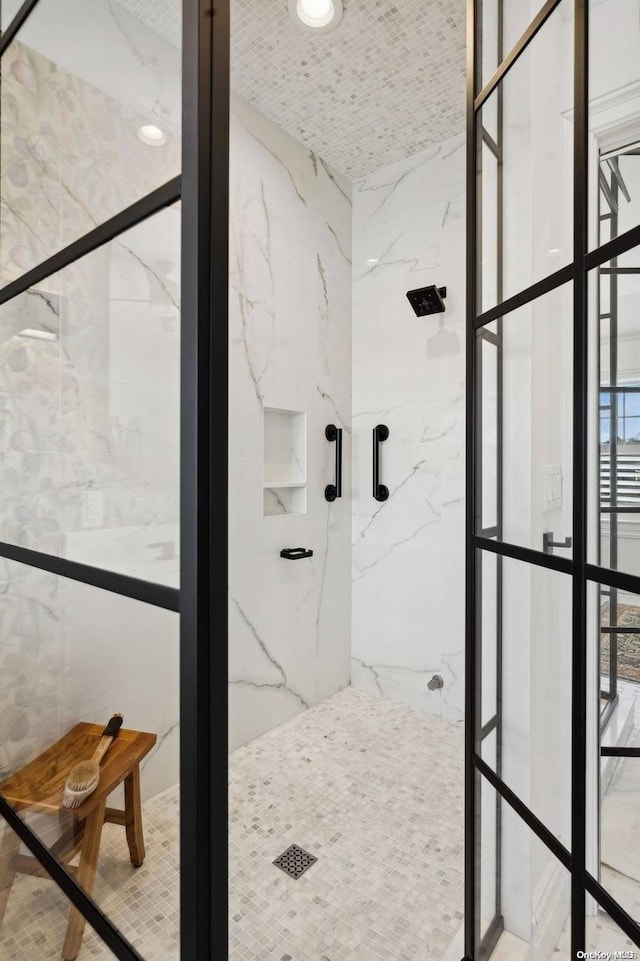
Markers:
<point>333,433</point>
<point>380,433</point>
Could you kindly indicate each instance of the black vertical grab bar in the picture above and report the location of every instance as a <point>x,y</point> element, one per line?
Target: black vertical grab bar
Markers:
<point>380,491</point>
<point>333,433</point>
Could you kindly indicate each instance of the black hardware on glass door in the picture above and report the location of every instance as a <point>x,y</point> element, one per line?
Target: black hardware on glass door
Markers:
<point>380,434</point>
<point>334,434</point>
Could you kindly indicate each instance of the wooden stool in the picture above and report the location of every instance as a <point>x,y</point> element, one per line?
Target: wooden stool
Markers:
<point>39,786</point>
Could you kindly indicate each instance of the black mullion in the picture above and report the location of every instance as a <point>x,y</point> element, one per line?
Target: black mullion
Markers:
<point>617,914</point>
<point>78,897</point>
<point>524,297</point>
<point>488,727</point>
<point>618,629</point>
<point>488,531</point>
<point>605,717</point>
<point>580,463</point>
<point>516,51</point>
<point>9,34</point>
<point>204,480</point>
<point>489,336</point>
<point>471,835</point>
<point>530,819</point>
<point>525,554</point>
<point>159,595</point>
<point>603,575</point>
<point>619,751</point>
<point>491,144</point>
<point>619,270</point>
<point>622,509</point>
<point>147,206</point>
<point>613,248</point>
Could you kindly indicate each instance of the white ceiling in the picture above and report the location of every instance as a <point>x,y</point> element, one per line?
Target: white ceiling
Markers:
<point>388,82</point>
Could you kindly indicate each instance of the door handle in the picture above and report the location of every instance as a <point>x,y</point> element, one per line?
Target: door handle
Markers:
<point>295,553</point>
<point>380,433</point>
<point>548,542</point>
<point>333,433</point>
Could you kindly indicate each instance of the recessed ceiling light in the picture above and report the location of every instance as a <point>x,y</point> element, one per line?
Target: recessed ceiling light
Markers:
<point>152,135</point>
<point>317,15</point>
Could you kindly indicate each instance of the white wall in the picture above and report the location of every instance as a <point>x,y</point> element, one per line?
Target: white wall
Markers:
<point>290,319</point>
<point>408,373</point>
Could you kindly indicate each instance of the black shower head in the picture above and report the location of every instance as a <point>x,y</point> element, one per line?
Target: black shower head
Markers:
<point>427,300</point>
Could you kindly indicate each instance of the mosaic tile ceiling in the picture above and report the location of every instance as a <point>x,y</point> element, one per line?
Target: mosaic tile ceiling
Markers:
<point>388,82</point>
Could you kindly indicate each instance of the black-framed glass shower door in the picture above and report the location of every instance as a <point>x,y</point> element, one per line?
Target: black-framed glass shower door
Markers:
<point>544,115</point>
<point>111,183</point>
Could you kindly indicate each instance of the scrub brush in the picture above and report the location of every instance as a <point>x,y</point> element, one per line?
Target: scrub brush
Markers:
<point>84,777</point>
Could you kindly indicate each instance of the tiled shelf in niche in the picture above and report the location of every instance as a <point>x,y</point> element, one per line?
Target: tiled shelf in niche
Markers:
<point>285,462</point>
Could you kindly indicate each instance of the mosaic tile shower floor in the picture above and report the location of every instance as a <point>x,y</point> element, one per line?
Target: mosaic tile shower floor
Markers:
<point>374,791</point>
<point>369,787</point>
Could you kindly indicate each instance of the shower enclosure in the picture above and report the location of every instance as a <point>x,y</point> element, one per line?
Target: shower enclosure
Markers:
<point>552,570</point>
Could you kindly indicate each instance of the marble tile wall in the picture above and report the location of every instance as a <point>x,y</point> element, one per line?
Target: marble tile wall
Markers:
<point>408,373</point>
<point>290,317</point>
<point>89,436</point>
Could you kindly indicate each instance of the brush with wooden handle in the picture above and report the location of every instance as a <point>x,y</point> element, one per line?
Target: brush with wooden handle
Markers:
<point>84,777</point>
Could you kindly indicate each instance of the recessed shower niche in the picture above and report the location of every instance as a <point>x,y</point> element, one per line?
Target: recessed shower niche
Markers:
<point>285,462</point>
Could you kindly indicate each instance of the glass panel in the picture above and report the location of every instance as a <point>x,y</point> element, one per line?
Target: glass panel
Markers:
<point>489,373</point>
<point>537,150</point>
<point>536,406</point>
<point>490,812</point>
<point>90,124</point>
<point>524,884</point>
<point>488,694</point>
<point>534,721</point>
<point>74,655</point>
<point>614,620</point>
<point>89,436</point>
<point>488,40</point>
<point>614,115</point>
<point>8,10</point>
<point>516,17</point>
<point>490,266</point>
<point>27,932</point>
<point>615,445</point>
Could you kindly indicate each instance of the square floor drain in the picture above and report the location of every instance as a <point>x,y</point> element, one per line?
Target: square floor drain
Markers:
<point>294,861</point>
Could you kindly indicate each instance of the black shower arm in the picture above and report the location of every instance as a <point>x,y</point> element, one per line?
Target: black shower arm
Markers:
<point>333,433</point>
<point>380,433</point>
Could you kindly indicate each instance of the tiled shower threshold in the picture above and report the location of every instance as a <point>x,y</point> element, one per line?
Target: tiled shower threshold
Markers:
<point>370,788</point>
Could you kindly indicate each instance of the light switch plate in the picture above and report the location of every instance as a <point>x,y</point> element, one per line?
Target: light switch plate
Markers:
<point>92,509</point>
<point>552,487</point>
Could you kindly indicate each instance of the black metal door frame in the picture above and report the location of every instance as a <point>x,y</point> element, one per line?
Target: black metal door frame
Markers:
<point>202,598</point>
<point>478,541</point>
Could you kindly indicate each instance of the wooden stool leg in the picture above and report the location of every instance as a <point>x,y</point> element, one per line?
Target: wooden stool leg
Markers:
<point>8,852</point>
<point>133,812</point>
<point>86,878</point>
